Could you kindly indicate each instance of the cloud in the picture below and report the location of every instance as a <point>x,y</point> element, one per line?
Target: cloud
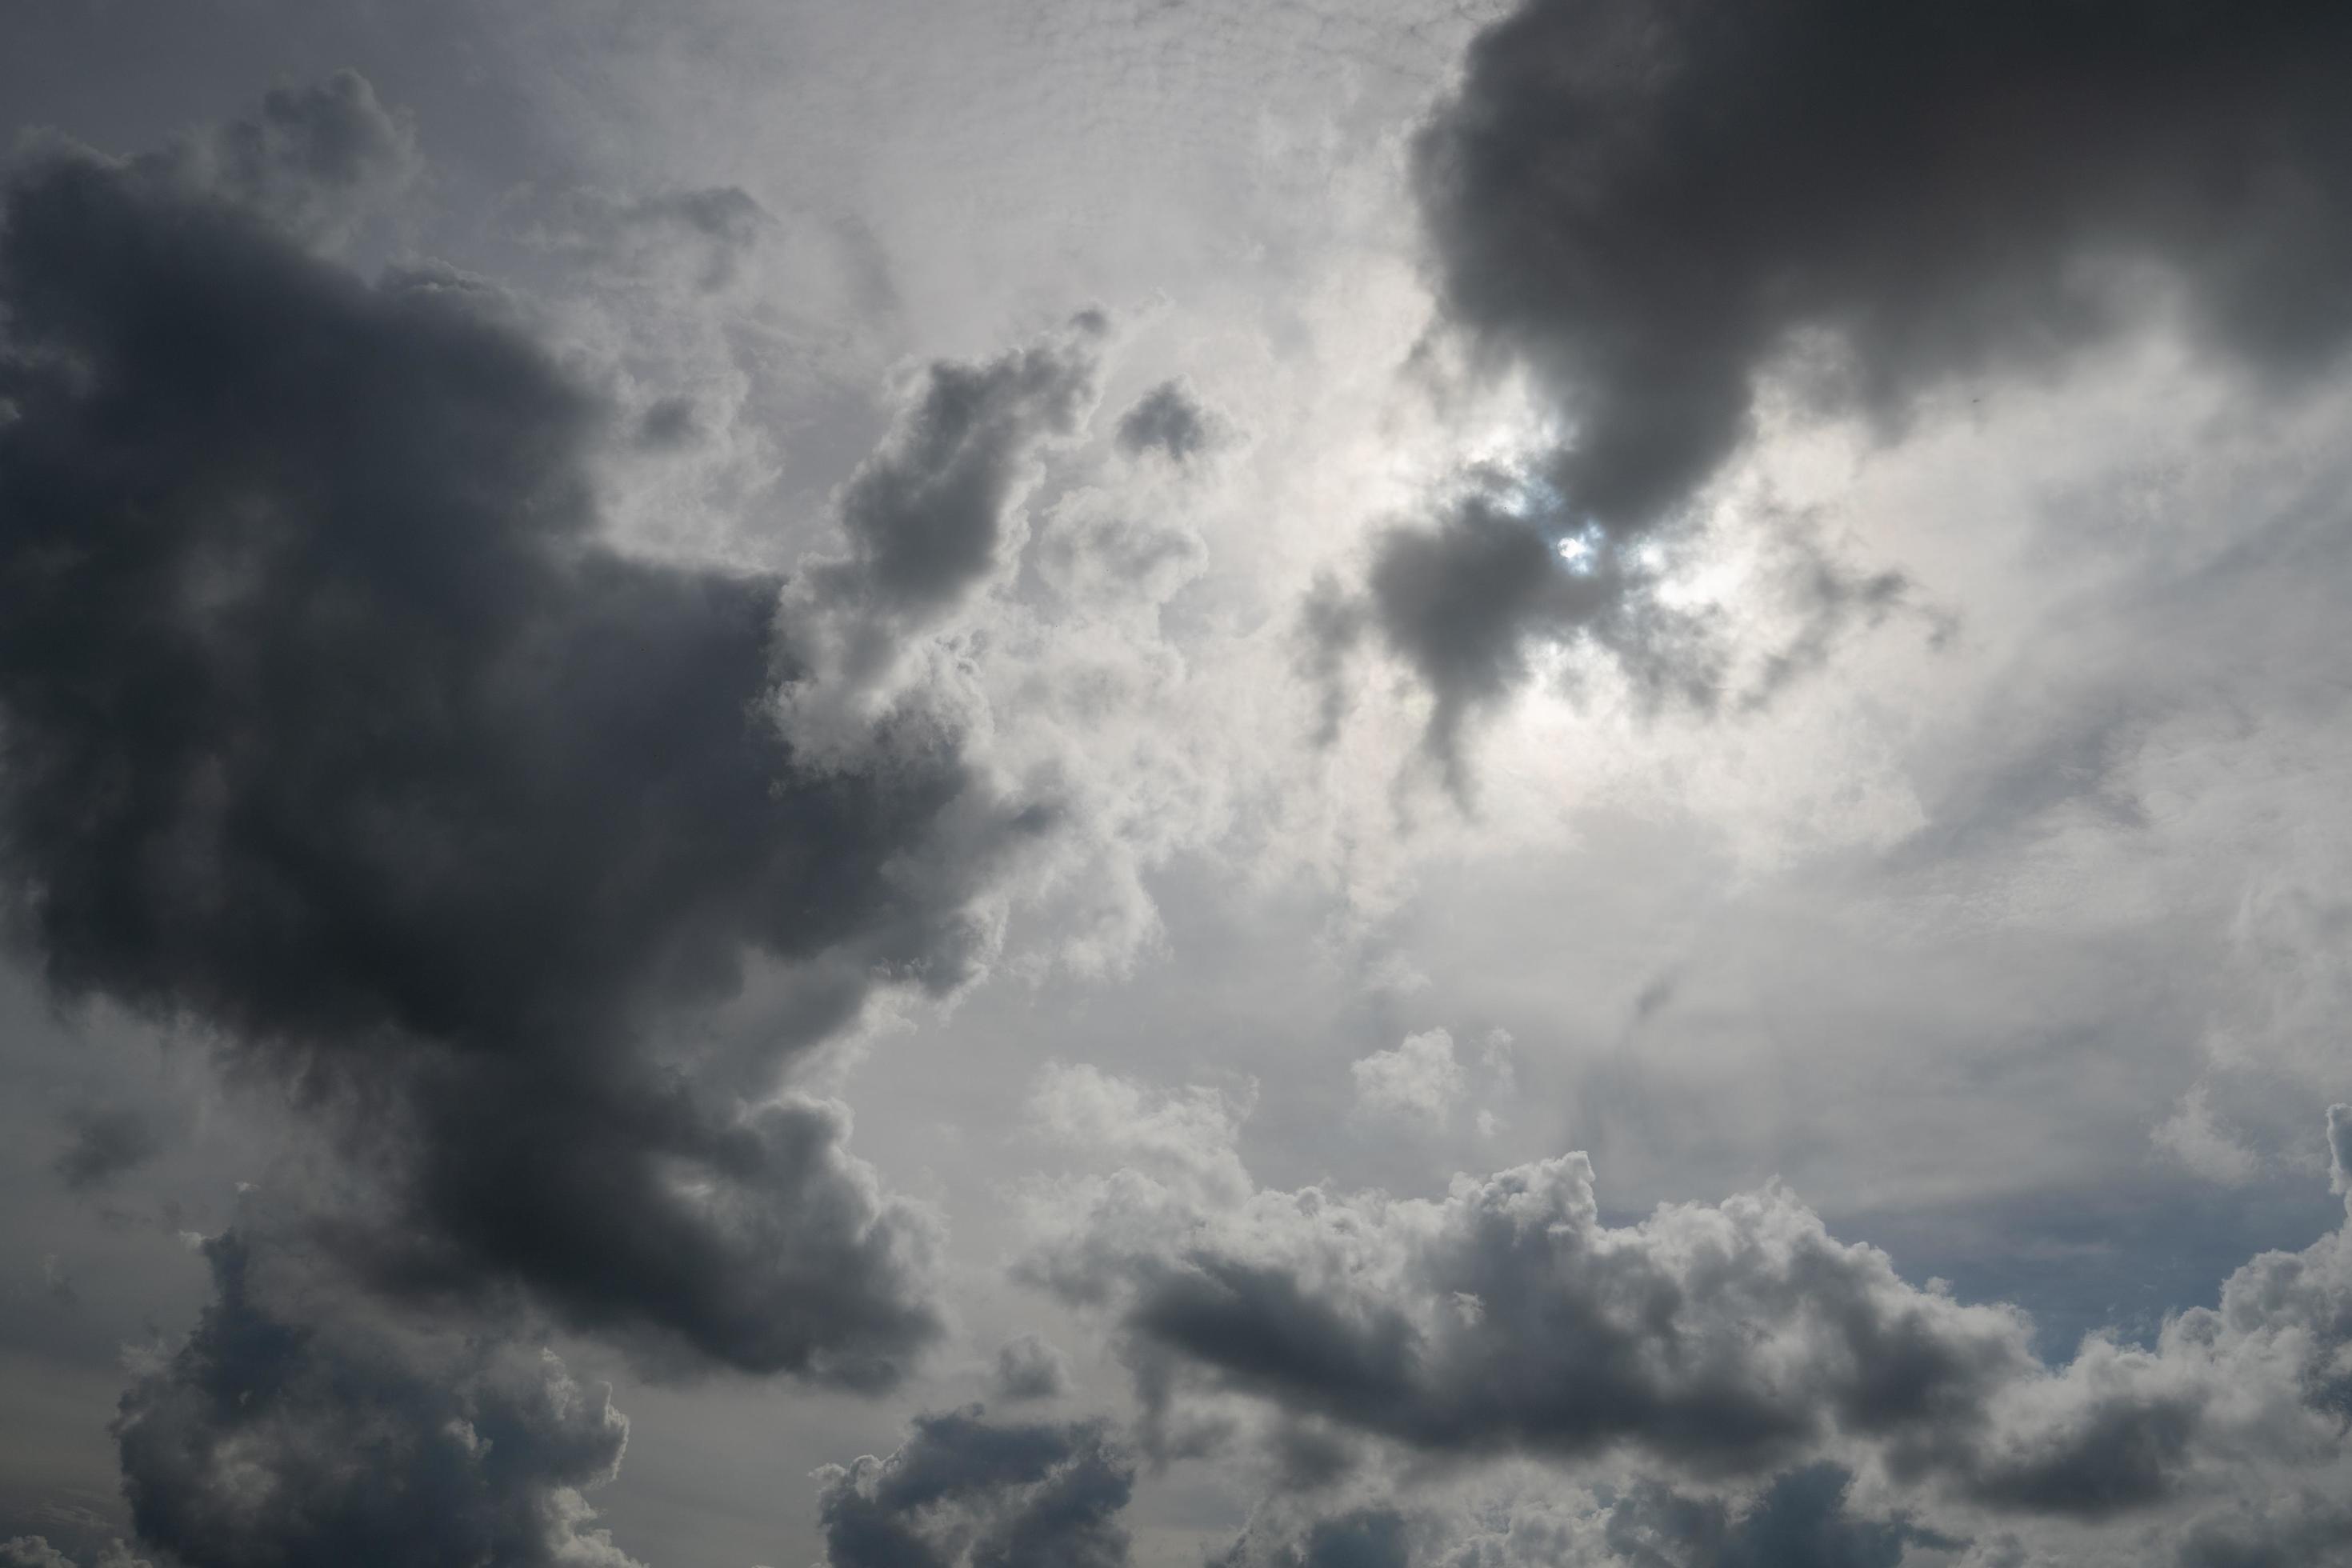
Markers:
<point>319,160</point>
<point>1720,1340</point>
<point>1801,1518</point>
<point>1419,1079</point>
<point>336,726</point>
<point>2339,1148</point>
<point>1029,1368</point>
<point>1485,599</point>
<point>106,1144</point>
<point>930,516</point>
<point>967,1492</point>
<point>32,1551</point>
<point>1654,207</point>
<point>928,521</point>
<point>1169,420</point>
<point>293,1428</point>
<point>709,230</point>
<point>1660,217</point>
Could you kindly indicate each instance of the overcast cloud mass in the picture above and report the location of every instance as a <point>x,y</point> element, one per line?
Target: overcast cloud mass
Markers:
<point>1538,784</point>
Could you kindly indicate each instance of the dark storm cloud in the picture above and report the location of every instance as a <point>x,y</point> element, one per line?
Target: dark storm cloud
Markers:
<point>1655,207</point>
<point>105,1144</point>
<point>1731,1339</point>
<point>282,1440</point>
<point>1649,203</point>
<point>967,1492</point>
<point>1169,420</point>
<point>329,722</point>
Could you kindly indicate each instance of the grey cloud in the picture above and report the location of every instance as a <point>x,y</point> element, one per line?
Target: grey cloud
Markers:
<point>36,1552</point>
<point>1029,1368</point>
<point>1800,1521</point>
<point>319,160</point>
<point>967,1492</point>
<point>333,725</point>
<point>106,1144</point>
<point>1657,208</point>
<point>1365,1538</point>
<point>2339,1148</point>
<point>1169,420</point>
<point>284,1435</point>
<point>1649,204</point>
<point>1463,602</point>
<point>32,1551</point>
<point>1469,601</point>
<point>2306,1532</point>
<point>711,229</point>
<point>1724,1340</point>
<point>928,517</point>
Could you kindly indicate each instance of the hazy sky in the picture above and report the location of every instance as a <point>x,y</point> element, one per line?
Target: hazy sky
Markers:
<point>1049,784</point>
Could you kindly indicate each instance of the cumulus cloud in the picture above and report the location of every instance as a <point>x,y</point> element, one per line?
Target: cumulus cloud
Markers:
<point>1721,1339</point>
<point>1419,1079</point>
<point>932,514</point>
<point>1661,213</point>
<point>927,523</point>
<point>296,1426</point>
<point>1648,204</point>
<point>335,725</point>
<point>968,1492</point>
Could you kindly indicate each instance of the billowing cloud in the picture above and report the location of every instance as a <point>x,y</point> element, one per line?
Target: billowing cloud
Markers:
<point>968,1492</point>
<point>1723,1339</point>
<point>926,518</point>
<point>1799,1519</point>
<point>333,725</point>
<point>293,1428</point>
<point>1661,213</point>
<point>1420,1078</point>
<point>1655,205</point>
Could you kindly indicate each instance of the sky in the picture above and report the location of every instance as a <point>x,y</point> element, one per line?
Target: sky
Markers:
<point>1067,784</point>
